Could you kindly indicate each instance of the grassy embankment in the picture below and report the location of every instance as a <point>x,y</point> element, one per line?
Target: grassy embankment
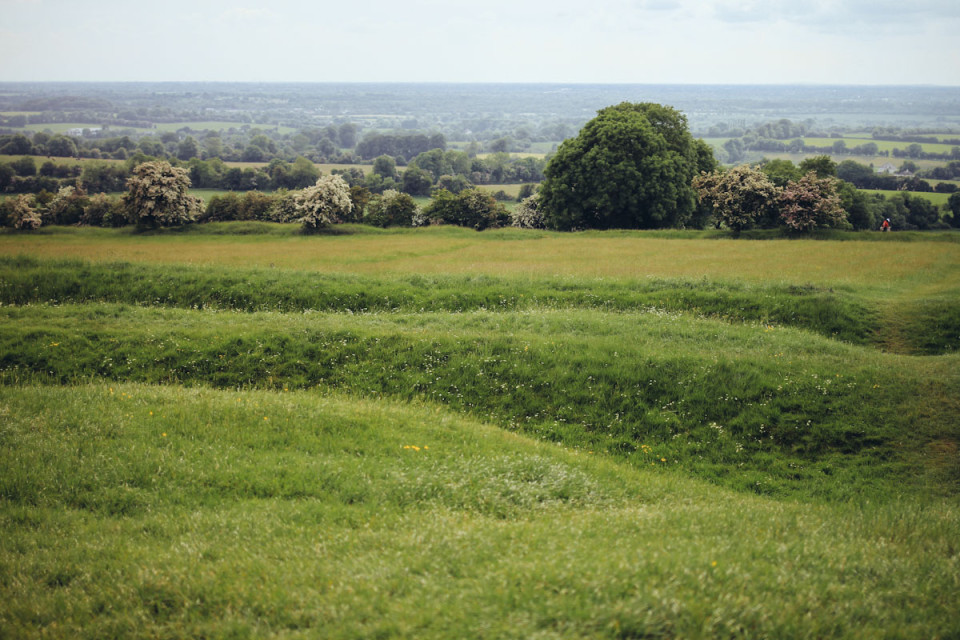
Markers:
<point>339,435</point>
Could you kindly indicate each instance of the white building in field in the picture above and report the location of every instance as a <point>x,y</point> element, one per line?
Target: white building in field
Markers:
<point>77,132</point>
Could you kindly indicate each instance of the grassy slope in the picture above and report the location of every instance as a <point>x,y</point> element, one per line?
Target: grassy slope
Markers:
<point>770,411</point>
<point>140,511</point>
<point>266,487</point>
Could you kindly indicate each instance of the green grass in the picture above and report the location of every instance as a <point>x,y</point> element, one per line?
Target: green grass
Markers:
<point>39,160</point>
<point>160,127</point>
<point>439,433</point>
<point>141,511</point>
<point>938,199</point>
<point>797,158</point>
<point>324,168</point>
<point>63,127</point>
<point>882,145</point>
<point>779,413</point>
<point>512,190</point>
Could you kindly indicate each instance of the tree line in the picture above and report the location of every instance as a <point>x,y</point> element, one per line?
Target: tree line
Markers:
<point>436,168</point>
<point>157,195</point>
<point>634,166</point>
<point>785,136</point>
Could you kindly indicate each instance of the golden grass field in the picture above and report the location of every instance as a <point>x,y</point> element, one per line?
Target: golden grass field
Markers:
<point>622,255</point>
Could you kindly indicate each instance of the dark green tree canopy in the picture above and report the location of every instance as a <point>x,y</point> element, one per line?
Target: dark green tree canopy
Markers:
<point>631,167</point>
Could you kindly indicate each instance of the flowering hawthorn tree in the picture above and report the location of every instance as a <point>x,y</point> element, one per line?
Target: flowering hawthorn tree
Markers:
<point>527,215</point>
<point>810,203</point>
<point>24,216</point>
<point>327,202</point>
<point>738,197</point>
<point>157,195</point>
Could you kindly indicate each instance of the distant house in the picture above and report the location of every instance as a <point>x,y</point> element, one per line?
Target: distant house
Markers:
<point>886,168</point>
<point>77,132</point>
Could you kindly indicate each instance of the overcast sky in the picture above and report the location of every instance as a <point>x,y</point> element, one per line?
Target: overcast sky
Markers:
<point>598,41</point>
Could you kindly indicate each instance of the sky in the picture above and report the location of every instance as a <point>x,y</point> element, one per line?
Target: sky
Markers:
<point>872,42</point>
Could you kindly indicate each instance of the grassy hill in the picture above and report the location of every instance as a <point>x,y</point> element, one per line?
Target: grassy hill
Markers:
<point>440,433</point>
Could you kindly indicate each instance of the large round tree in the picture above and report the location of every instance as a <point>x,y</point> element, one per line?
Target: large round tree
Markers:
<point>631,167</point>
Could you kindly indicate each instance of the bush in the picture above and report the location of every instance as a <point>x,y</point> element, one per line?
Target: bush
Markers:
<point>527,215</point>
<point>391,209</point>
<point>67,206</point>
<point>470,208</point>
<point>157,196</point>
<point>738,197</point>
<point>327,202</point>
<point>103,211</point>
<point>23,216</point>
<point>526,190</point>
<point>811,203</point>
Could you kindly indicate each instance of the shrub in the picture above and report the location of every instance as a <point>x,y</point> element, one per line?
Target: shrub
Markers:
<point>23,216</point>
<point>157,196</point>
<point>470,208</point>
<point>391,209</point>
<point>526,190</point>
<point>527,215</point>
<point>738,197</point>
<point>327,202</point>
<point>221,208</point>
<point>810,203</point>
<point>67,206</point>
<point>103,211</point>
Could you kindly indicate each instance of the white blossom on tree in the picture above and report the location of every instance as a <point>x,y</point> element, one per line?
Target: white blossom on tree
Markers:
<point>157,195</point>
<point>24,216</point>
<point>738,197</point>
<point>327,202</point>
<point>810,203</point>
<point>527,215</point>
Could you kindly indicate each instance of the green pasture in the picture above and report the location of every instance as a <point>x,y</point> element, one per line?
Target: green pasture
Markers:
<point>63,127</point>
<point>160,127</point>
<point>882,145</point>
<point>939,199</point>
<point>512,190</point>
<point>530,154</point>
<point>874,161</point>
<point>905,259</point>
<point>236,430</point>
<point>855,141</point>
<point>206,125</point>
<point>868,136</point>
<point>39,160</point>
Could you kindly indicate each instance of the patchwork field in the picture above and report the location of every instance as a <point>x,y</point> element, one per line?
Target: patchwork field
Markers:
<point>241,431</point>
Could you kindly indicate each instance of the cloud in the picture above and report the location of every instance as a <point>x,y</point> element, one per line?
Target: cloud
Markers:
<point>839,14</point>
<point>244,14</point>
<point>658,5</point>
